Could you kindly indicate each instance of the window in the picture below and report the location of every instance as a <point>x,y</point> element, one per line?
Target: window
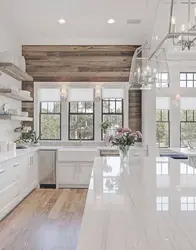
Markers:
<point>81,120</point>
<point>162,168</point>
<point>187,127</point>
<point>187,80</point>
<point>162,203</point>
<point>162,128</point>
<point>163,80</point>
<point>112,111</point>
<point>187,170</point>
<point>50,120</point>
<point>188,203</point>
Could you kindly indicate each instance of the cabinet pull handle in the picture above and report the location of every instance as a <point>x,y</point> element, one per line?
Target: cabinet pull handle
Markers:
<point>17,164</point>
<point>2,171</point>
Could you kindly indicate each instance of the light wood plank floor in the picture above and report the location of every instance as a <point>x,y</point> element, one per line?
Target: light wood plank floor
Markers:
<point>45,220</point>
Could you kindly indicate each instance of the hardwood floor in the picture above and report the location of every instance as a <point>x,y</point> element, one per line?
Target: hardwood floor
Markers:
<point>45,220</point>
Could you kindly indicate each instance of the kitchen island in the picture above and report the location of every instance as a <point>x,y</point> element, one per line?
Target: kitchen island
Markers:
<point>135,206</point>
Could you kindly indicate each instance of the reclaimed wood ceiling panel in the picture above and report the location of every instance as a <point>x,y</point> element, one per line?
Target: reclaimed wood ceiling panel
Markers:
<point>76,63</point>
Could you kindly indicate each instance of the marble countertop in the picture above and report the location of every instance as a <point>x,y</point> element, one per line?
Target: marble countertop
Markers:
<point>149,203</point>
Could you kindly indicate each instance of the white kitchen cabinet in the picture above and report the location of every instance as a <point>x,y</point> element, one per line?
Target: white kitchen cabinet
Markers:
<point>67,174</point>
<point>74,174</point>
<point>18,177</point>
<point>74,166</point>
<point>85,169</point>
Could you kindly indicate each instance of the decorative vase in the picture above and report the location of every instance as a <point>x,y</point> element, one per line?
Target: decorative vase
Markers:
<point>124,153</point>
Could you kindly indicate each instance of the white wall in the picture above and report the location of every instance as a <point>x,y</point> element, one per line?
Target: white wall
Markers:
<point>9,43</point>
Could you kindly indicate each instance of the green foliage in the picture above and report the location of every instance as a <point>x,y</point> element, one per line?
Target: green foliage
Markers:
<point>162,134</point>
<point>81,127</point>
<point>188,133</point>
<point>50,126</point>
<point>127,139</point>
<point>106,125</point>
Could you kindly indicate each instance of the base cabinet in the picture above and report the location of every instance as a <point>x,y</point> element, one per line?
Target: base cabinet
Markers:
<point>18,177</point>
<point>74,174</point>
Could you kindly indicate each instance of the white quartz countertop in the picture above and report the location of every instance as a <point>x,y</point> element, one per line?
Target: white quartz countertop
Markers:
<point>50,147</point>
<point>19,152</point>
<point>78,148</point>
<point>148,204</point>
<point>185,151</point>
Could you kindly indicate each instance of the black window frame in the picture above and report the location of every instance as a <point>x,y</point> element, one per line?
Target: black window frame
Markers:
<point>186,121</point>
<point>112,113</point>
<point>49,113</point>
<point>81,113</point>
<point>187,81</point>
<point>162,121</point>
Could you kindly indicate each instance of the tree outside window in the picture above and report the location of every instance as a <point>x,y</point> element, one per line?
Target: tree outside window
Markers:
<point>81,121</point>
<point>188,127</point>
<point>162,128</point>
<point>50,121</point>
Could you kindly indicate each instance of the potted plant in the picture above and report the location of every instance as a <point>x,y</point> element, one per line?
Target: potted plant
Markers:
<point>32,138</point>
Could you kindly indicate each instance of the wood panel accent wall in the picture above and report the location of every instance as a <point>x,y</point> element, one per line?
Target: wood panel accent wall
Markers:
<point>69,63</point>
<point>96,63</point>
<point>29,106</point>
<point>135,110</point>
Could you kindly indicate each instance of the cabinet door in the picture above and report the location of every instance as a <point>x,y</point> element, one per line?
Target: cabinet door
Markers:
<point>67,173</point>
<point>8,198</point>
<point>84,173</point>
<point>8,173</point>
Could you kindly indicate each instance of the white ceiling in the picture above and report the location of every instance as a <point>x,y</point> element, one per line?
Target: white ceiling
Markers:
<point>35,21</point>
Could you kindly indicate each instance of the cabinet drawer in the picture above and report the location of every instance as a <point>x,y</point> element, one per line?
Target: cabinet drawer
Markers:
<point>8,173</point>
<point>8,194</point>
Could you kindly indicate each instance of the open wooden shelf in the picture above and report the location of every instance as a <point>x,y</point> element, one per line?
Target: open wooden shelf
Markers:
<point>14,71</point>
<point>16,118</point>
<point>15,95</point>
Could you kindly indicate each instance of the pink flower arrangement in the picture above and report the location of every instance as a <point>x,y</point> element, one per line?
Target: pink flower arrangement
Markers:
<point>121,131</point>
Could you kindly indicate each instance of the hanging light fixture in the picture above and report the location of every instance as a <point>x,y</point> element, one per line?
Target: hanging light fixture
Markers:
<point>175,24</point>
<point>144,72</point>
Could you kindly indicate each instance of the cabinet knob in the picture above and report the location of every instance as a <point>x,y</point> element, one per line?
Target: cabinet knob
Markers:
<point>17,164</point>
<point>2,171</point>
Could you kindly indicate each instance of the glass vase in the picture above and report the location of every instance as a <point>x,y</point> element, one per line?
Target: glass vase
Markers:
<point>124,153</point>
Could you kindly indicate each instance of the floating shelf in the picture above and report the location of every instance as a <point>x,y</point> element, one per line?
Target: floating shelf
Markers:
<point>15,72</point>
<point>15,95</point>
<point>16,118</point>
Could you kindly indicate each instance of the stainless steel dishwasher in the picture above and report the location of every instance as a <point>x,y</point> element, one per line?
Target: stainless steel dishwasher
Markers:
<point>47,169</point>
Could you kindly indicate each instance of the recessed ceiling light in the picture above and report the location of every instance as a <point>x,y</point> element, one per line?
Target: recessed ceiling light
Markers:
<point>111,21</point>
<point>61,21</point>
